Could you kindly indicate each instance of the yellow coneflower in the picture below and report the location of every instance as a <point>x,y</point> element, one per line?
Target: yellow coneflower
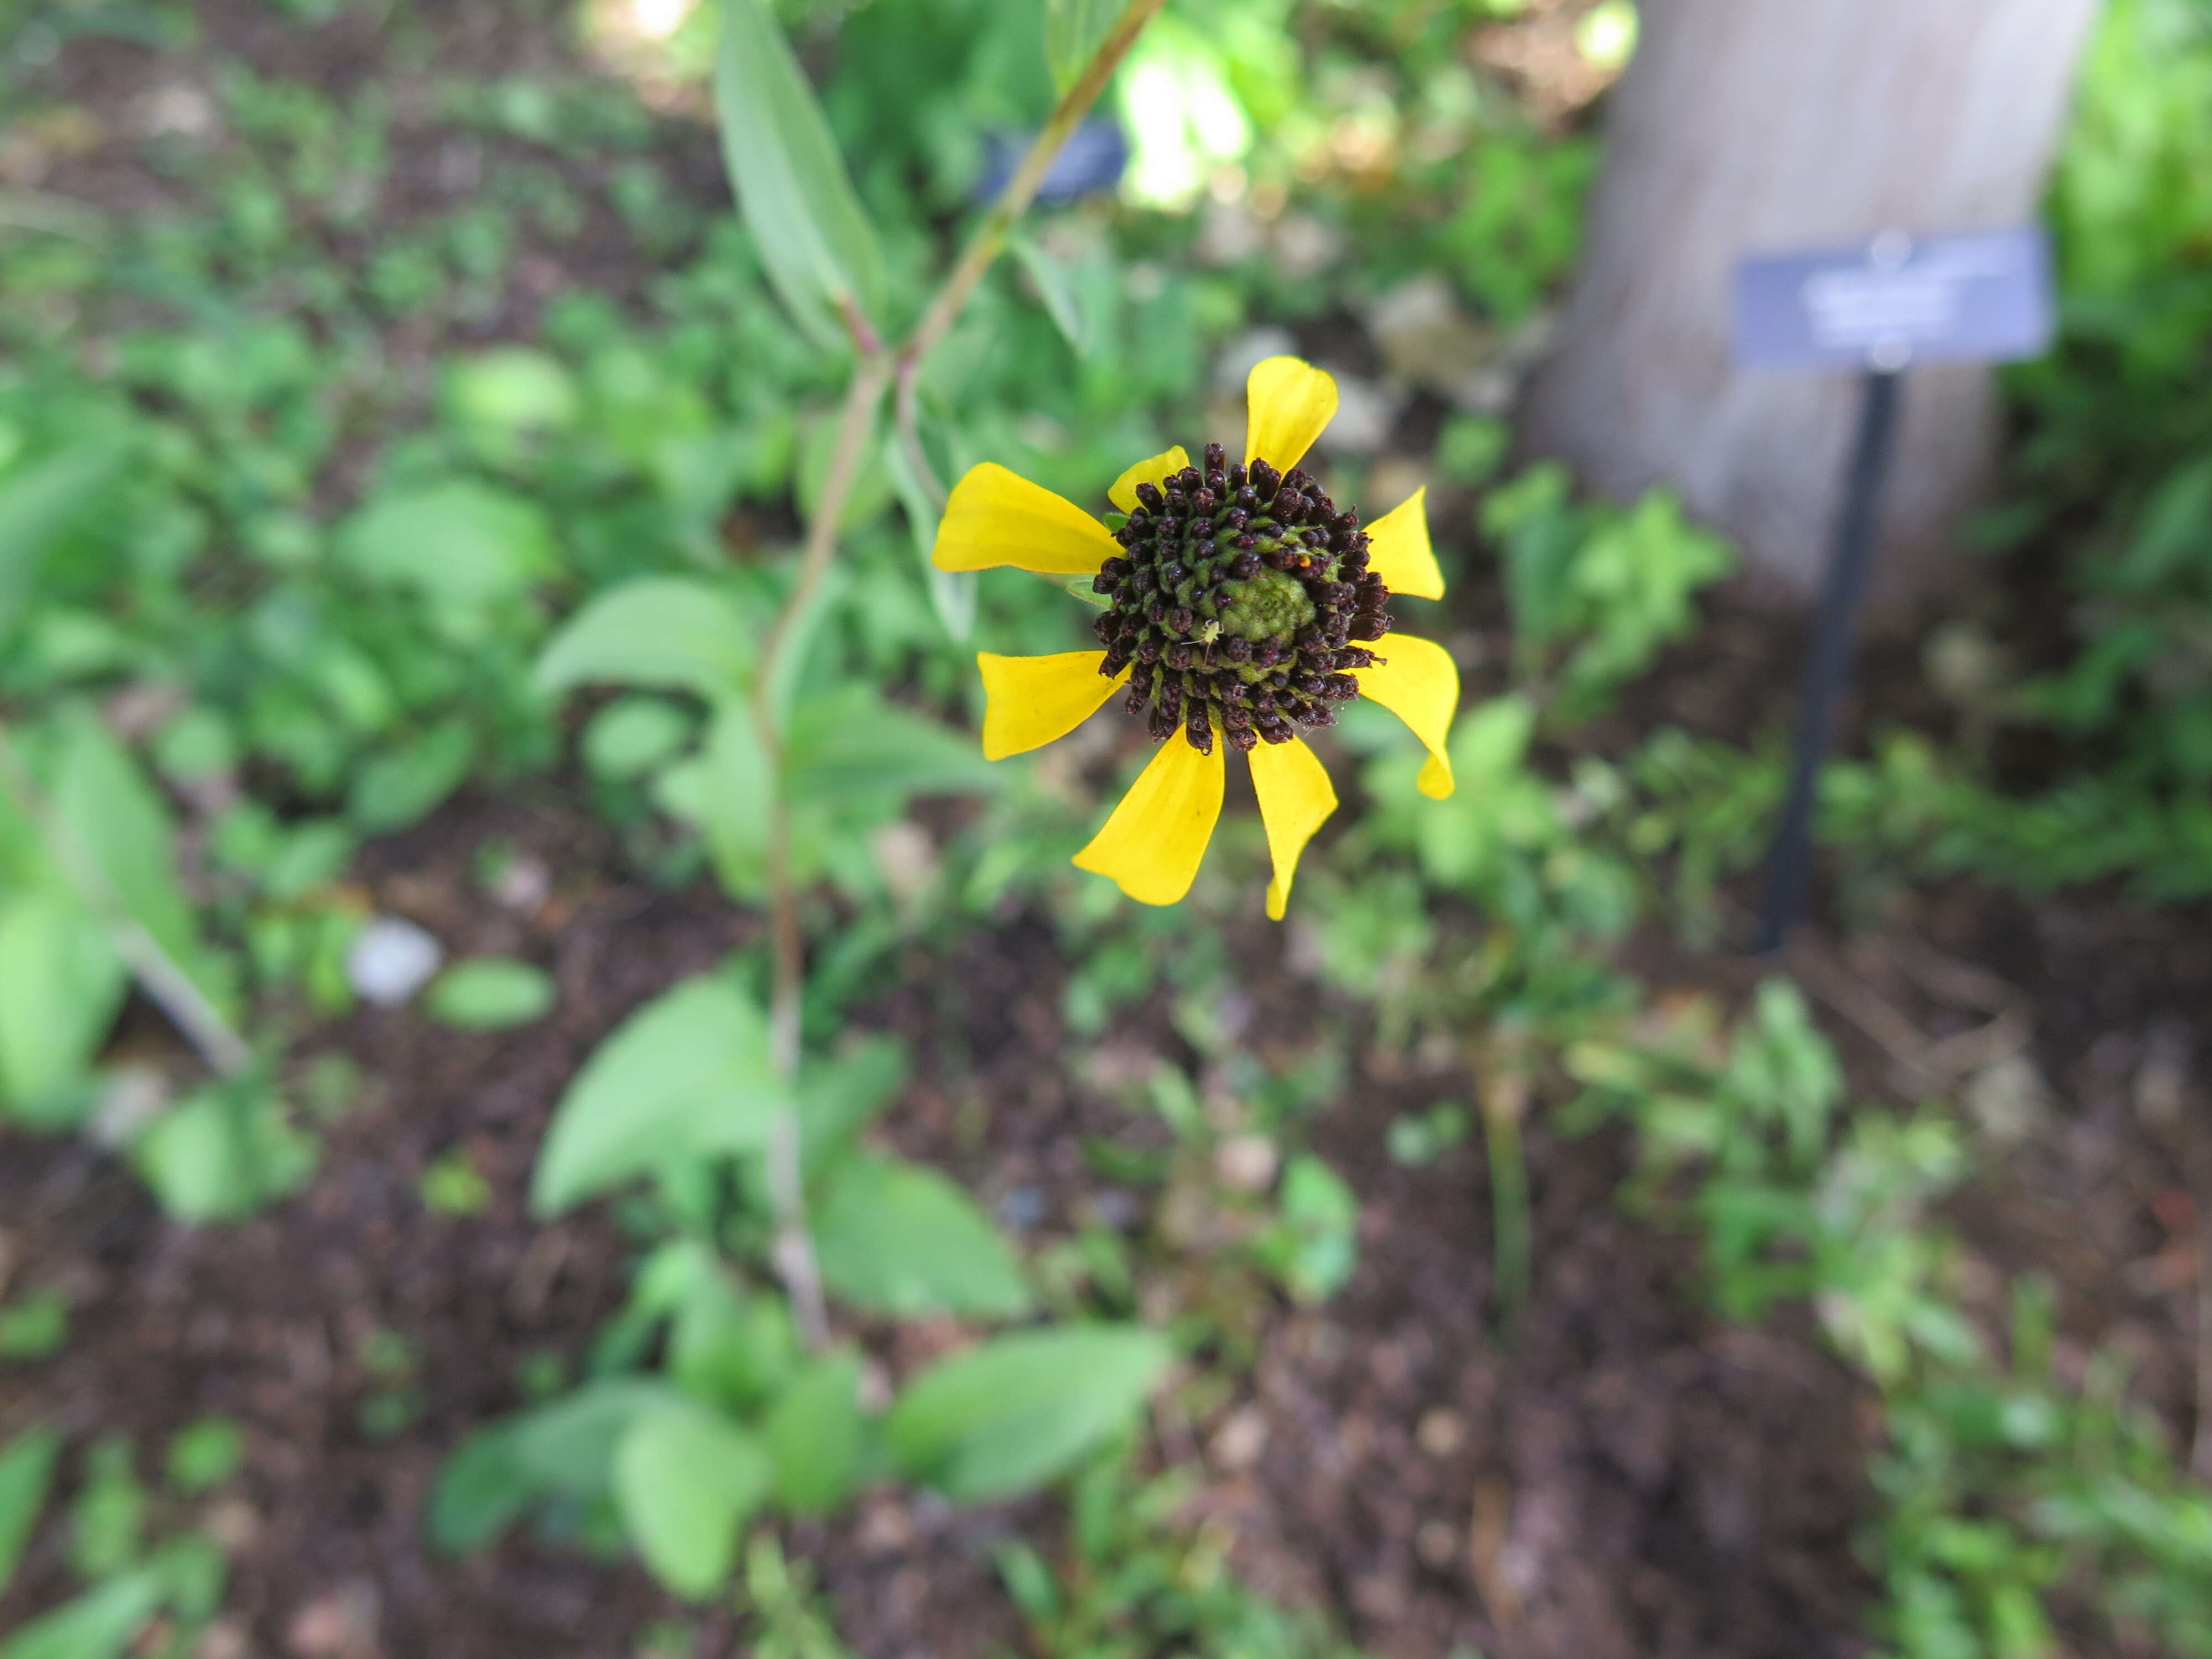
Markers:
<point>1242,608</point>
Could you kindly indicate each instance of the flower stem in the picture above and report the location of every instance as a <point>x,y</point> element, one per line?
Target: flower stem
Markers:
<point>875,368</point>
<point>158,973</point>
<point>989,237</point>
<point>794,1248</point>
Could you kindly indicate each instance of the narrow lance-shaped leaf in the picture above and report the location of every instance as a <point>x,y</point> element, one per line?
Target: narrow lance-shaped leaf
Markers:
<point>952,594</point>
<point>1072,30</point>
<point>811,233</point>
<point>1055,288</point>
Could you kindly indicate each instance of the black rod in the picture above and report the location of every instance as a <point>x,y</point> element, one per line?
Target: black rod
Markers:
<point>1850,561</point>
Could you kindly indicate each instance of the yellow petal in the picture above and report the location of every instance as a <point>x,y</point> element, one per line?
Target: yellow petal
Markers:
<point>1029,701</point>
<point>996,517</point>
<point>1296,799</point>
<point>1287,403</point>
<point>1398,549</point>
<point>1150,847</point>
<point>1419,683</point>
<point>1155,471</point>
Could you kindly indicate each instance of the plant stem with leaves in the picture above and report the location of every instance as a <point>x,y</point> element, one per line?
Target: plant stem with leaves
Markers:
<point>158,973</point>
<point>877,366</point>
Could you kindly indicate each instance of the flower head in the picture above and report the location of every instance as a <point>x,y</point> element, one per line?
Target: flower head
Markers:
<point>1242,607</point>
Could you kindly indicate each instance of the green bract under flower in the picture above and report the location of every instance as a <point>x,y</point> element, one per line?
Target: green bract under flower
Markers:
<point>1234,602</point>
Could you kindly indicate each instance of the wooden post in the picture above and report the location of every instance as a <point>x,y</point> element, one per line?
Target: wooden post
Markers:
<point>1752,125</point>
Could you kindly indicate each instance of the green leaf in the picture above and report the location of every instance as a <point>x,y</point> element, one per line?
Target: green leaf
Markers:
<point>1072,30</point>
<point>510,390</point>
<point>104,803</point>
<point>816,1436</point>
<point>35,1325</point>
<point>38,503</point>
<point>725,792</point>
<point>952,594</point>
<point>1314,1246</point>
<point>870,493</point>
<point>490,994</point>
<point>901,1239</point>
<point>222,1152</point>
<point>850,745</point>
<point>811,234</point>
<point>685,1481</point>
<point>98,1626</point>
<point>662,631</point>
<point>108,1521</point>
<point>727,1348</point>
<point>686,1075</point>
<point>632,735</point>
<point>467,549</point>
<point>61,984</point>
<point>27,1474</point>
<point>565,1448</point>
<point>205,1454</point>
<point>1054,290</point>
<point>405,784</point>
<point>838,1097</point>
<point>1011,1414</point>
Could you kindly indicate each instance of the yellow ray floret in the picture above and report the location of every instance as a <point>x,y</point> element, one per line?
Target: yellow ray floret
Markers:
<point>1296,799</point>
<point>1398,549</point>
<point>1029,701</point>
<point>1418,683</point>
<point>1155,470</point>
<point>1151,845</point>
<point>1287,403</point>
<point>996,517</point>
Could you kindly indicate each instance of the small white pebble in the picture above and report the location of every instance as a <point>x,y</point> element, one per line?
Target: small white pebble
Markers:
<point>391,960</point>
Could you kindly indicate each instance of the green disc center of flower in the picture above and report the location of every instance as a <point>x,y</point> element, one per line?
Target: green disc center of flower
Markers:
<point>1235,603</point>
<point>1272,606</point>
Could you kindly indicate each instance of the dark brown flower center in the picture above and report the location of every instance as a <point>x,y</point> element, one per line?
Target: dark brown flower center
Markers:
<point>1234,602</point>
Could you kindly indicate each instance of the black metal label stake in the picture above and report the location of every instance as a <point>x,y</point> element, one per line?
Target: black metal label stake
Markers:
<point>1835,639</point>
<point>1878,307</point>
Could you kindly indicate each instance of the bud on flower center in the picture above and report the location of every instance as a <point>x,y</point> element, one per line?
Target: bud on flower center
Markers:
<point>1235,602</point>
